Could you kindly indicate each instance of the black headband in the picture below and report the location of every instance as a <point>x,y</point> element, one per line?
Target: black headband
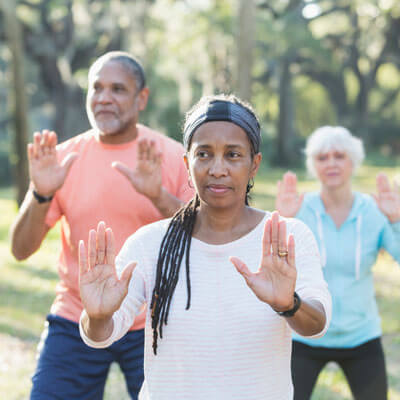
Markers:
<point>221,110</point>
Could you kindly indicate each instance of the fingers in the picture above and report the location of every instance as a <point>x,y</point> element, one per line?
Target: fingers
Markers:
<point>143,149</point>
<point>101,246</point>
<point>123,169</point>
<point>291,257</point>
<point>110,247</point>
<point>92,249</point>
<point>382,183</point>
<point>127,274</point>
<point>147,151</point>
<point>30,152</point>
<point>290,182</point>
<point>275,232</point>
<point>282,241</point>
<point>266,240</point>
<point>241,267</point>
<point>83,262</point>
<point>43,144</point>
<point>37,151</point>
<point>68,161</point>
<point>101,243</point>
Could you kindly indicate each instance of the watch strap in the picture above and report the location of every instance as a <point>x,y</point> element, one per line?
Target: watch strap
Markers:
<point>41,199</point>
<point>292,311</point>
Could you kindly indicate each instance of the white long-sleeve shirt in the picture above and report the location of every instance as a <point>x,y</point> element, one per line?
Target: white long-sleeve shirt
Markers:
<point>228,344</point>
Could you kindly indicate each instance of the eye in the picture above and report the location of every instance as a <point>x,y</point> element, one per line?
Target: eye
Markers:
<point>202,154</point>
<point>233,154</point>
<point>96,87</point>
<point>321,157</point>
<point>118,89</point>
<point>340,156</point>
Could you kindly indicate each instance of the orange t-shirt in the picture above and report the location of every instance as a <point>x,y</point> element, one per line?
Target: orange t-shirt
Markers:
<point>94,191</point>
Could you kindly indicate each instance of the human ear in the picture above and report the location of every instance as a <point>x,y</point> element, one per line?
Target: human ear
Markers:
<point>143,97</point>
<point>255,164</point>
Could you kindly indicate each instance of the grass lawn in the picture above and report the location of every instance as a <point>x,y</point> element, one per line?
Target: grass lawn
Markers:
<point>27,291</point>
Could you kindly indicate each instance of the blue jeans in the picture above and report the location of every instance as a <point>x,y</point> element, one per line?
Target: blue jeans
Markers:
<point>68,369</point>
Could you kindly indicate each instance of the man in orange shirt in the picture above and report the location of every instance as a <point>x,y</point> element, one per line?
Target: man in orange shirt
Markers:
<point>119,171</point>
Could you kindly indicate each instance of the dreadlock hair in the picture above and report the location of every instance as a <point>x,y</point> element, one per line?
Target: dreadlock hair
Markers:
<point>176,244</point>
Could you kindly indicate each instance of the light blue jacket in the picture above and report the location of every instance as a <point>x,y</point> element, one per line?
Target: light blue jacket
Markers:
<point>348,255</point>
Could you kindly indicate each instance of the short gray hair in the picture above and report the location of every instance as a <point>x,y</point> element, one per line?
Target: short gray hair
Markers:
<point>131,64</point>
<point>328,138</point>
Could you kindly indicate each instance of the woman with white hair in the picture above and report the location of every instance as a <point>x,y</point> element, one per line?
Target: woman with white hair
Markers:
<point>350,228</point>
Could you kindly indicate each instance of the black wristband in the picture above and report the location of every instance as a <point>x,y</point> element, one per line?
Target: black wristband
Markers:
<point>41,199</point>
<point>292,311</point>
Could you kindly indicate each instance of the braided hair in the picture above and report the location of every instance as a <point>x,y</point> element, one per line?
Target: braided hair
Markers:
<point>176,242</point>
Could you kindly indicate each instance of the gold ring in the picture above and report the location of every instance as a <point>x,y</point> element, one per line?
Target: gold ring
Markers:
<point>283,253</point>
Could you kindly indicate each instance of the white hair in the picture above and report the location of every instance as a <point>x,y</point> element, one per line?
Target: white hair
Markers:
<point>327,138</point>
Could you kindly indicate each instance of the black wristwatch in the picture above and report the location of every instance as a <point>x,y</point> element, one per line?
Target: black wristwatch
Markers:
<point>41,199</point>
<point>292,311</point>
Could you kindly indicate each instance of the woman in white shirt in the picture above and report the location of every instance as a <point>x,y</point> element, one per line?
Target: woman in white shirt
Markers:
<point>211,332</point>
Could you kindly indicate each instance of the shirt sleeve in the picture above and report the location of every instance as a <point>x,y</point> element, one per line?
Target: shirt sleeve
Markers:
<point>310,283</point>
<point>131,306</point>
<point>390,239</point>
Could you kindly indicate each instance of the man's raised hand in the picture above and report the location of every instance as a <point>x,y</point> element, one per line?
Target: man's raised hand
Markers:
<point>46,172</point>
<point>146,178</point>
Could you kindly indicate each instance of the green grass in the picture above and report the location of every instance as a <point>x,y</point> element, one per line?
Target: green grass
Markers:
<point>27,291</point>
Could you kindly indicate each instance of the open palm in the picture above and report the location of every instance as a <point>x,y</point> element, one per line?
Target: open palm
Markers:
<point>46,172</point>
<point>388,198</point>
<point>102,292</point>
<point>146,178</point>
<point>274,282</point>
<point>288,200</point>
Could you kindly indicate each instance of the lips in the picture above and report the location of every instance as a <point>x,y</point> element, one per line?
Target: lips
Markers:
<point>104,112</point>
<point>218,189</point>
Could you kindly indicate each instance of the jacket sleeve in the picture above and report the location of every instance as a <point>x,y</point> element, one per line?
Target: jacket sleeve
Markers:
<point>390,239</point>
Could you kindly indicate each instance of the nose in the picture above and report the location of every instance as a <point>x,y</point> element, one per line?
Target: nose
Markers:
<point>331,161</point>
<point>218,167</point>
<point>104,97</point>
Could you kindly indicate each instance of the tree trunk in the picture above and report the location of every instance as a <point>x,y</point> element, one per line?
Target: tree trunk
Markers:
<point>286,116</point>
<point>245,41</point>
<point>18,160</point>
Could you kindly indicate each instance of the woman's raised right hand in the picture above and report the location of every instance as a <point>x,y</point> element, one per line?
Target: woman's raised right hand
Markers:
<point>46,172</point>
<point>102,292</point>
<point>288,201</point>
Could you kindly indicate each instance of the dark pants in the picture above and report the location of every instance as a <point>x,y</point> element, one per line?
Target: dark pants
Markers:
<point>363,366</point>
<point>68,369</point>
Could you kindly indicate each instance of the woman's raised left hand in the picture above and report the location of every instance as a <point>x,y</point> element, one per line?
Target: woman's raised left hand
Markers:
<point>275,281</point>
<point>388,198</point>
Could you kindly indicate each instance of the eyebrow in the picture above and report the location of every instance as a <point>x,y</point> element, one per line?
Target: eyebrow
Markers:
<point>117,83</point>
<point>229,146</point>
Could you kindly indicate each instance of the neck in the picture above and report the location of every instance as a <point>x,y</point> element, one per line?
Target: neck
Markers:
<point>337,197</point>
<point>216,226</point>
<point>126,136</point>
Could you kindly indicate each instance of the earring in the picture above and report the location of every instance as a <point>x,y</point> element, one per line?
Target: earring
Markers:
<point>250,184</point>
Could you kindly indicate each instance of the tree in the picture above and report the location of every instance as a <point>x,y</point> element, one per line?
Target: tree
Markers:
<point>19,106</point>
